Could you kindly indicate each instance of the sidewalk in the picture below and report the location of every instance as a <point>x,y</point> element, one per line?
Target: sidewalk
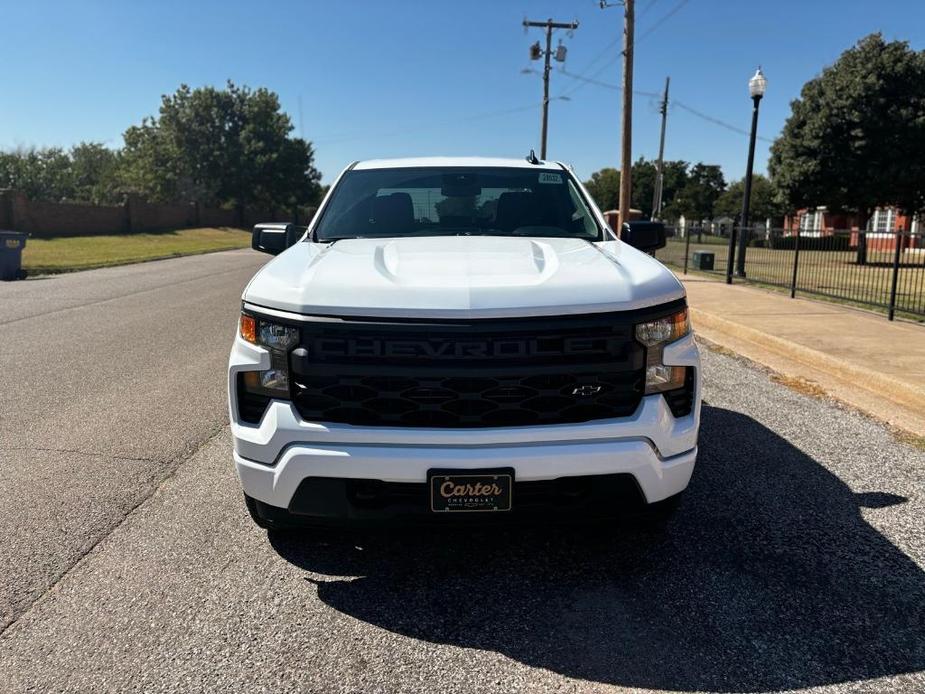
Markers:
<point>862,359</point>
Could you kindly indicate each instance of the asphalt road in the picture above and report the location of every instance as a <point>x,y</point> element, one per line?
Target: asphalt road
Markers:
<point>797,559</point>
<point>107,379</point>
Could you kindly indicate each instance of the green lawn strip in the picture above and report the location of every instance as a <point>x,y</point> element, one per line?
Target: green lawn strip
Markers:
<point>66,254</point>
<point>678,265</point>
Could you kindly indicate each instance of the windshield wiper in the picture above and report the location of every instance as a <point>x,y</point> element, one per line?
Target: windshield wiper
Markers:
<point>335,239</point>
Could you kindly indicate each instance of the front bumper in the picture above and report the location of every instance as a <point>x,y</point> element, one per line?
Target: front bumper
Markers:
<point>274,457</point>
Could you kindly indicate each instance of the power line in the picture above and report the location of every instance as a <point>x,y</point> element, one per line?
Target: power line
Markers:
<point>589,79</point>
<point>674,102</point>
<point>716,121</point>
<point>645,10</point>
<point>601,54</point>
<point>664,19</point>
<point>606,85</point>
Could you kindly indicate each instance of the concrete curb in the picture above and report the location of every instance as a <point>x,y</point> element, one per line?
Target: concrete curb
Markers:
<point>878,384</point>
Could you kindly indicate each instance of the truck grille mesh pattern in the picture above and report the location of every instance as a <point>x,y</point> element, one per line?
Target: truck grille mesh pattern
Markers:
<point>460,401</point>
<point>486,373</point>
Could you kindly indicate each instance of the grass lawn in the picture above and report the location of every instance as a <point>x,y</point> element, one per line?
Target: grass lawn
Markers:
<point>43,256</point>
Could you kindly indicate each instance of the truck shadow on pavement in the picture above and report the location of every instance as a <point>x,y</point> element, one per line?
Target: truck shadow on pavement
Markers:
<point>767,578</point>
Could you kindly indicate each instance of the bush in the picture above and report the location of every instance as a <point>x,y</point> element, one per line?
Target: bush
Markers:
<point>811,243</point>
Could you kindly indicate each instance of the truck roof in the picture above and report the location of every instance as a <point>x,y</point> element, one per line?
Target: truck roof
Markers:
<point>409,162</point>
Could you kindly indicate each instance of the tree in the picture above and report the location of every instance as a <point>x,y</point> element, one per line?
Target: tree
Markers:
<point>42,174</point>
<point>698,195</point>
<point>762,206</point>
<point>230,147</point>
<point>701,182</point>
<point>855,139</point>
<point>644,175</point>
<point>89,172</point>
<point>95,173</point>
<point>604,187</point>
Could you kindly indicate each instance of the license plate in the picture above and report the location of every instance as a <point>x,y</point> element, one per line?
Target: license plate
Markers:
<point>470,490</point>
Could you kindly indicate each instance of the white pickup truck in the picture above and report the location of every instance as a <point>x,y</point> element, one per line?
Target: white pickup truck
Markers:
<point>461,339</point>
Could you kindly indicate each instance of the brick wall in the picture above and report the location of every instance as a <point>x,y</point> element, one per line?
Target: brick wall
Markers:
<point>215,217</point>
<point>48,219</point>
<point>41,218</point>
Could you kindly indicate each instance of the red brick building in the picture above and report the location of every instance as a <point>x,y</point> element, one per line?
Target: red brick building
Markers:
<point>881,228</point>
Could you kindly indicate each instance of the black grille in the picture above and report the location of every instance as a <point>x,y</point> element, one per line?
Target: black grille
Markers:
<point>435,400</point>
<point>621,491</point>
<point>367,499</point>
<point>251,406</point>
<point>681,401</point>
<point>482,373</point>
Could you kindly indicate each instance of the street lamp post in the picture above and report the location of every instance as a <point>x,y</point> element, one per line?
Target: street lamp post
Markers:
<point>756,89</point>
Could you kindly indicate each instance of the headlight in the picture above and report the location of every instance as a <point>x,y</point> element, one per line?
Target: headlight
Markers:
<point>655,335</point>
<point>278,339</point>
<point>664,330</point>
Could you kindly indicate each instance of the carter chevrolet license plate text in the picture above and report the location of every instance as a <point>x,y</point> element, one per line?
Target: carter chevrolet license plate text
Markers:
<point>470,490</point>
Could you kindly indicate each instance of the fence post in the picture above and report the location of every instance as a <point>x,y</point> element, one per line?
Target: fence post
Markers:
<point>6,208</point>
<point>796,260</point>
<point>898,238</point>
<point>687,248</point>
<point>730,254</point>
<point>128,203</point>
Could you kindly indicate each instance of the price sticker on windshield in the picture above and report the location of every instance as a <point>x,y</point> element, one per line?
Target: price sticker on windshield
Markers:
<point>550,178</point>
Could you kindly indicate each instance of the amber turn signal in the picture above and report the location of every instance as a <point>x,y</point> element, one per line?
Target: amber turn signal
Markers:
<point>248,328</point>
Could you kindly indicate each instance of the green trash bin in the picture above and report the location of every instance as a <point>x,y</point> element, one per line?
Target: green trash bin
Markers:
<point>703,260</point>
<point>11,245</point>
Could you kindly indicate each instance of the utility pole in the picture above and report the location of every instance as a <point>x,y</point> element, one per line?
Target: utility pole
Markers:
<point>659,171</point>
<point>626,158</point>
<point>535,53</point>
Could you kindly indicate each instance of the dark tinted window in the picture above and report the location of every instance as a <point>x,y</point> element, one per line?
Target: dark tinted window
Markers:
<point>453,201</point>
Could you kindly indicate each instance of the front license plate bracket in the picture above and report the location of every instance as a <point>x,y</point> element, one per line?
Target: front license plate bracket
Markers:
<point>472,491</point>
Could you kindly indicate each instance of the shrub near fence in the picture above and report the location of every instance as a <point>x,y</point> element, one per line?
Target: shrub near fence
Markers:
<point>807,243</point>
<point>883,270</point>
<point>42,219</point>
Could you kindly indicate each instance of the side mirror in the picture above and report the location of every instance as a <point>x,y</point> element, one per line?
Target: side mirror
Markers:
<point>275,238</point>
<point>644,236</point>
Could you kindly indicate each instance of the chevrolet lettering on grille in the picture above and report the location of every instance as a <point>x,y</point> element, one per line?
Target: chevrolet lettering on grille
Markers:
<point>461,349</point>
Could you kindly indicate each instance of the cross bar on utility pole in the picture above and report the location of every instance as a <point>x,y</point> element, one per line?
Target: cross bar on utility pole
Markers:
<point>549,25</point>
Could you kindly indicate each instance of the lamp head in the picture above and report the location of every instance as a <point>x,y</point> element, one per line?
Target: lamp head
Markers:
<point>757,84</point>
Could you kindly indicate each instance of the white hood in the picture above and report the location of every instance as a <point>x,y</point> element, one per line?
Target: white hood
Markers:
<point>461,276</point>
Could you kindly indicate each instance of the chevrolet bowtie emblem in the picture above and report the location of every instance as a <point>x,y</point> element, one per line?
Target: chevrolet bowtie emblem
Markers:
<point>586,391</point>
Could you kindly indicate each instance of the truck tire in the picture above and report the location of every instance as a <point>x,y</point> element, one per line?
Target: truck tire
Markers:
<point>658,514</point>
<point>270,524</point>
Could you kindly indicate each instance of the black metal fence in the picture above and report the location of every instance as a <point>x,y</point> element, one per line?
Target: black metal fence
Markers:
<point>882,270</point>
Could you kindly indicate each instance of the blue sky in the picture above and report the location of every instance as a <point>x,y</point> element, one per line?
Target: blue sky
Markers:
<point>382,78</point>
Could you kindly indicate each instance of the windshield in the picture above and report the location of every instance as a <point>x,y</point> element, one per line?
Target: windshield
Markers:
<point>491,201</point>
